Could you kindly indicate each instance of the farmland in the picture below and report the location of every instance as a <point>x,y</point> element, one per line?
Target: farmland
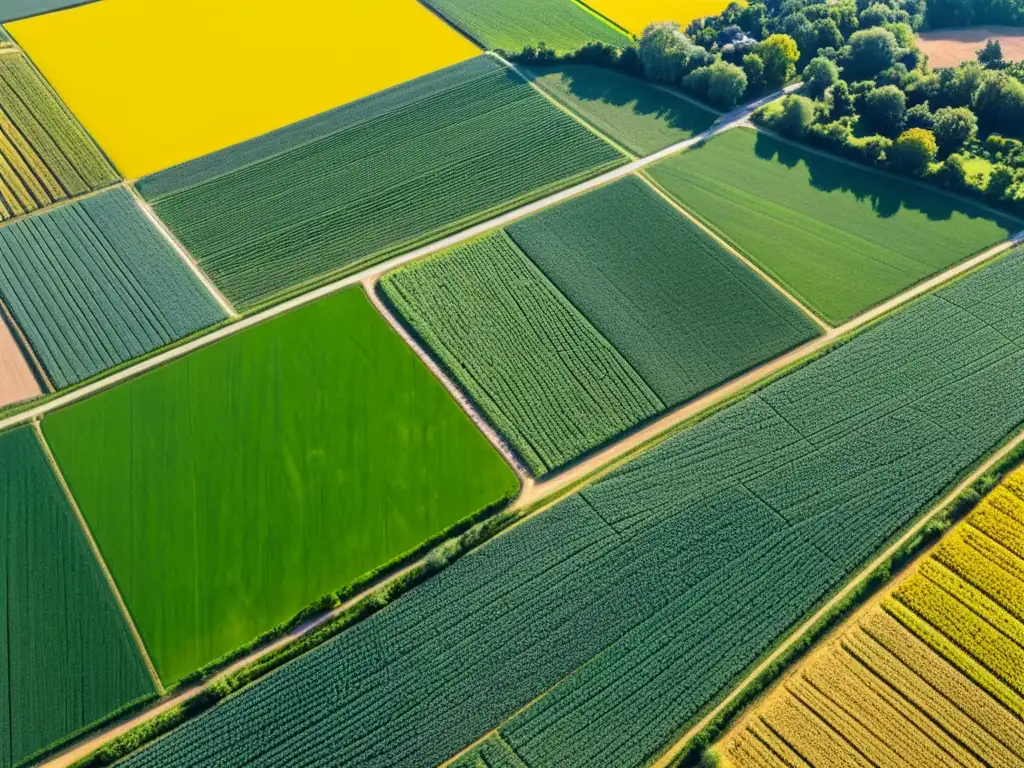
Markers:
<point>17,381</point>
<point>949,47</point>
<point>931,675</point>
<point>196,88</point>
<point>637,114</point>
<point>231,488</point>
<point>683,311</point>
<point>20,9</point>
<point>537,368</point>
<point>629,606</point>
<point>634,15</point>
<point>499,25</point>
<point>840,237</point>
<point>66,655</point>
<point>45,156</point>
<point>402,169</point>
<point>93,285</point>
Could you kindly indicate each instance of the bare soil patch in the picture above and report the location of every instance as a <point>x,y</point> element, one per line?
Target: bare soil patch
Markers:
<point>17,383</point>
<point>949,47</point>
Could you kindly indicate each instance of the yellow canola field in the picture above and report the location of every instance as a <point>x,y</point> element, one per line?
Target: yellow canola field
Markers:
<point>159,82</point>
<point>634,15</point>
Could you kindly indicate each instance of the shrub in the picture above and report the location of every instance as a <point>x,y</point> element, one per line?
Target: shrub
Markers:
<point>954,127</point>
<point>820,74</point>
<point>885,109</point>
<point>796,116</point>
<point>1001,181</point>
<point>915,150</point>
<point>873,149</point>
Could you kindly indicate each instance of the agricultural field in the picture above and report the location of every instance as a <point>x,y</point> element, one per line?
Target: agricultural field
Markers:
<point>192,89</point>
<point>17,380</point>
<point>930,675</point>
<point>840,237</point>
<point>637,114</point>
<point>608,622</point>
<point>67,656</point>
<point>22,9</point>
<point>492,753</point>
<point>93,284</point>
<point>635,15</point>
<point>499,25</point>
<point>373,179</point>
<point>950,47</point>
<point>546,379</point>
<point>5,39</point>
<point>682,310</point>
<point>231,488</point>
<point>45,156</point>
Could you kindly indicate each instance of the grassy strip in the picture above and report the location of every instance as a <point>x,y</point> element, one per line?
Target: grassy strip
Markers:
<point>700,752</point>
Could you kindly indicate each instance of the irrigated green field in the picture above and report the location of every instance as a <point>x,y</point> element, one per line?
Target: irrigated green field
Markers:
<point>67,657</point>
<point>45,155</point>
<point>93,285</point>
<point>536,367</point>
<point>229,489</point>
<point>683,311</point>
<point>510,26</point>
<point>593,633</point>
<point>374,178</point>
<point>842,238</point>
<point>636,113</point>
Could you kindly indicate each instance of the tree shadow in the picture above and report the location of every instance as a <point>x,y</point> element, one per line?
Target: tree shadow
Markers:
<point>594,84</point>
<point>886,192</point>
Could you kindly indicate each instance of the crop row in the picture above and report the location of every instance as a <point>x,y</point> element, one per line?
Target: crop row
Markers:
<point>401,176</point>
<point>93,284</point>
<point>494,752</point>
<point>932,676</point>
<point>45,156</point>
<point>497,323</point>
<point>66,654</point>
<point>619,614</point>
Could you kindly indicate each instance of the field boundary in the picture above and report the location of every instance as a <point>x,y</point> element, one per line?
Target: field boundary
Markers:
<point>165,231</point>
<point>19,336</point>
<point>59,203</point>
<point>479,420</point>
<point>737,253</point>
<point>98,556</point>
<point>667,758</point>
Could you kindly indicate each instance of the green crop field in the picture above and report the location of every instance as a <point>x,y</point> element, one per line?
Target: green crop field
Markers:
<point>373,179</point>
<point>537,368</point>
<point>21,9</point>
<point>45,155</point>
<point>632,605</point>
<point>231,488</point>
<point>683,311</point>
<point>492,753</point>
<point>510,26</point>
<point>93,284</point>
<point>67,657</point>
<point>637,114</point>
<point>841,237</point>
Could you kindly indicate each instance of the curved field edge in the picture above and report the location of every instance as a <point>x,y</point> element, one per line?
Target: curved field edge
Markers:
<point>150,729</point>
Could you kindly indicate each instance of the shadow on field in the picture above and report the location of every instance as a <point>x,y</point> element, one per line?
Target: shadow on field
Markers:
<point>887,192</point>
<point>594,84</point>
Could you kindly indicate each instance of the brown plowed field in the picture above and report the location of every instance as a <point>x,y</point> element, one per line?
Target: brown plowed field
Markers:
<point>949,47</point>
<point>16,380</point>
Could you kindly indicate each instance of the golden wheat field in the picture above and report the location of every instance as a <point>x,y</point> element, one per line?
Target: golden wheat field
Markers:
<point>164,81</point>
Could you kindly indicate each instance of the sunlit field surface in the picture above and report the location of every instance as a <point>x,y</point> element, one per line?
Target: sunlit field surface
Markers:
<point>634,15</point>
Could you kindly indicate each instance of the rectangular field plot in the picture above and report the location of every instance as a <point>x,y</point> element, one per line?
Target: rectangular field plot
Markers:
<point>18,380</point>
<point>45,156</point>
<point>637,114</point>
<point>93,285</point>
<point>683,311</point>
<point>199,81</point>
<point>234,486</point>
<point>929,677</point>
<point>537,368</point>
<point>510,26</point>
<point>373,179</point>
<point>842,238</point>
<point>631,606</point>
<point>67,657</point>
<point>635,15</point>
